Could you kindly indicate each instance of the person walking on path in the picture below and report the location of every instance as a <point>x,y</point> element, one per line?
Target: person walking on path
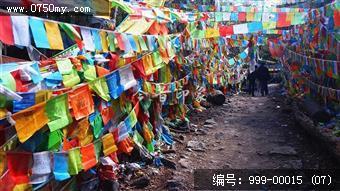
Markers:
<point>251,80</point>
<point>263,76</point>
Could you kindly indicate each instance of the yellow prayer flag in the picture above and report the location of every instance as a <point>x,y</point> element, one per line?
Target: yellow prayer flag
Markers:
<point>42,96</point>
<point>103,37</point>
<point>29,121</point>
<point>109,145</point>
<point>54,36</point>
<point>211,33</point>
<point>290,17</point>
<point>250,16</point>
<point>135,38</point>
<point>85,135</point>
<point>3,112</point>
<point>22,187</point>
<point>3,162</point>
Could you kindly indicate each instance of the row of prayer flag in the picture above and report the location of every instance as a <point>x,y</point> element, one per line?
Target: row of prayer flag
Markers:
<point>19,30</point>
<point>55,111</point>
<point>161,88</point>
<point>234,8</point>
<point>296,18</point>
<point>237,29</point>
<point>330,68</point>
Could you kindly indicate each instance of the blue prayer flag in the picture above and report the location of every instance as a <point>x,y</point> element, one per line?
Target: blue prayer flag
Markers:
<point>39,33</point>
<point>60,168</point>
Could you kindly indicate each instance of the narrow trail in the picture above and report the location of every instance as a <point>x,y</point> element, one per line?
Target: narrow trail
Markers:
<point>250,133</point>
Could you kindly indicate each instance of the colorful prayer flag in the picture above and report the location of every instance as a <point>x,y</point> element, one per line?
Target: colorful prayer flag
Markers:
<point>81,102</point>
<point>39,33</point>
<point>6,31</point>
<point>58,112</point>
<point>29,121</point>
<point>54,35</point>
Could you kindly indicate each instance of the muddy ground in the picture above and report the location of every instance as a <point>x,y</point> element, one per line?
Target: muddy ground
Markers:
<point>249,133</point>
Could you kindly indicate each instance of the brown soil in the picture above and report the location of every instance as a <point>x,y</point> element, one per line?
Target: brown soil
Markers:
<point>248,134</point>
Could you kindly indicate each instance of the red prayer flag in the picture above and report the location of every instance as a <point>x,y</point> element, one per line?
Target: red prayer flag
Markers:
<point>336,18</point>
<point>226,30</point>
<point>81,102</point>
<point>106,112</point>
<point>18,82</point>
<point>19,164</point>
<point>155,28</point>
<point>113,61</point>
<point>6,31</point>
<point>6,182</point>
<point>138,69</point>
<point>121,43</point>
<point>282,21</point>
<point>88,156</point>
<point>242,16</point>
<point>102,71</point>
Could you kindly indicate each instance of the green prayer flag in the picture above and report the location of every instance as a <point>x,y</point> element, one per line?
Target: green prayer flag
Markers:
<point>157,60</point>
<point>97,124</point>
<point>54,140</point>
<point>100,87</point>
<point>198,34</point>
<point>74,161</point>
<point>65,66</point>
<point>98,149</point>
<point>111,40</point>
<point>150,147</point>
<point>122,5</point>
<point>137,138</point>
<point>70,31</point>
<point>218,16</point>
<point>142,43</point>
<point>70,80</point>
<point>57,112</point>
<point>298,19</point>
<point>89,72</point>
<point>258,17</point>
<point>7,80</point>
<point>269,25</point>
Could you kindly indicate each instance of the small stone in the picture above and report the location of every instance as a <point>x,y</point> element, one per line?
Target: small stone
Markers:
<point>154,171</point>
<point>219,135</point>
<point>141,182</point>
<point>184,163</point>
<point>283,150</point>
<point>202,131</point>
<point>220,149</point>
<point>168,163</point>
<point>184,156</point>
<point>194,125</point>
<point>181,137</point>
<point>196,146</point>
<point>210,121</point>
<point>293,164</point>
<point>175,185</point>
<point>208,126</point>
<point>226,166</point>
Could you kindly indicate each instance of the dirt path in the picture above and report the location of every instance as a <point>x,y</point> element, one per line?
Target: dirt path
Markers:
<point>250,133</point>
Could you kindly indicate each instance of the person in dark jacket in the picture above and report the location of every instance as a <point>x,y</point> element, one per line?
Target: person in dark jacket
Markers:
<point>251,80</point>
<point>263,76</point>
